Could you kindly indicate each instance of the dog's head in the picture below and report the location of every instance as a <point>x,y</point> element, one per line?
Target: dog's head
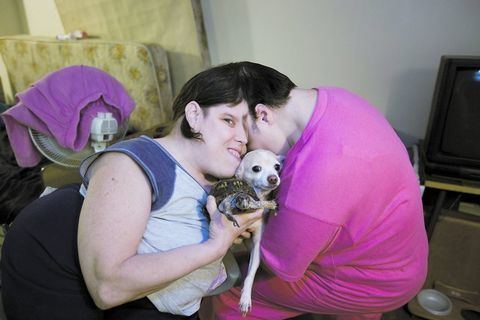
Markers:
<point>261,169</point>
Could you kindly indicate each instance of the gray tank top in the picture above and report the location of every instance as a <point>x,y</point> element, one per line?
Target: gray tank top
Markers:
<point>176,220</point>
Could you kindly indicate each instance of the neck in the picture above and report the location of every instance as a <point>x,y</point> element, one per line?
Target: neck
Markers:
<point>297,113</point>
<point>176,145</point>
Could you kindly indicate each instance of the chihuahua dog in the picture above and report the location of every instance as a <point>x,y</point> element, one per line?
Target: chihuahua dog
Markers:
<point>261,170</point>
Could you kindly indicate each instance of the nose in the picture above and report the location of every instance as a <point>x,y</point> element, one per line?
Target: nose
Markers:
<point>241,135</point>
<point>272,179</point>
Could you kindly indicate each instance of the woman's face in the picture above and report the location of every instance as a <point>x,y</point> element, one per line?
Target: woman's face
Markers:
<point>224,134</point>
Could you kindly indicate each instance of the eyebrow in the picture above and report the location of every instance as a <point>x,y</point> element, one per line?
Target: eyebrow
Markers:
<point>226,113</point>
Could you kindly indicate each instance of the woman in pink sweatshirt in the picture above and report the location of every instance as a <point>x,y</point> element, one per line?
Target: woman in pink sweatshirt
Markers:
<point>349,237</point>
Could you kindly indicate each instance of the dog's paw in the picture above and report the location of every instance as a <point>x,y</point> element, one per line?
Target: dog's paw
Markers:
<point>245,305</point>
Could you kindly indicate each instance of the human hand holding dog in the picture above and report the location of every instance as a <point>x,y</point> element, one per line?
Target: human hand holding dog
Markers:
<point>222,231</point>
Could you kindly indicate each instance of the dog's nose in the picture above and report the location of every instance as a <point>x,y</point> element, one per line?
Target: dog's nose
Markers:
<point>272,179</point>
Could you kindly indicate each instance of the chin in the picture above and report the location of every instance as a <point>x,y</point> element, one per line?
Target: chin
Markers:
<point>225,172</point>
<point>225,168</point>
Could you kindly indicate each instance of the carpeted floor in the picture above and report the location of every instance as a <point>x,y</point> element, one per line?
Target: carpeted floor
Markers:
<point>399,314</point>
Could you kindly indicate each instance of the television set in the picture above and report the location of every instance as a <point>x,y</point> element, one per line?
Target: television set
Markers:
<point>452,141</point>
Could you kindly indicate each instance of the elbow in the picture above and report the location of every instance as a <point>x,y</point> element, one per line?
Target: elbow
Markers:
<point>101,305</point>
<point>104,287</point>
<point>105,296</point>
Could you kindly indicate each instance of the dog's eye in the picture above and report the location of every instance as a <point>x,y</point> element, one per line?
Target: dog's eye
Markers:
<point>277,167</point>
<point>256,168</point>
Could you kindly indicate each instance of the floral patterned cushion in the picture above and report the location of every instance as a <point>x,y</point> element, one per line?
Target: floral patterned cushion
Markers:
<point>141,68</point>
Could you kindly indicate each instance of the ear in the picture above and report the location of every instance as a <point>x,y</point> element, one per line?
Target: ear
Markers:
<point>263,114</point>
<point>280,159</point>
<point>193,114</point>
<point>239,171</point>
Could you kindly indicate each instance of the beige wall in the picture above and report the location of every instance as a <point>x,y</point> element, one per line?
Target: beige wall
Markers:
<point>386,50</point>
<point>42,17</point>
<point>35,17</point>
<point>12,19</point>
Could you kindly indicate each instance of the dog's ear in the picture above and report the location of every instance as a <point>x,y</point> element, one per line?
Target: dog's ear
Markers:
<point>280,159</point>
<point>239,171</point>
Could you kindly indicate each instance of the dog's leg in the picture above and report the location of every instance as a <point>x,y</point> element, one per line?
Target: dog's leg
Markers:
<point>246,297</point>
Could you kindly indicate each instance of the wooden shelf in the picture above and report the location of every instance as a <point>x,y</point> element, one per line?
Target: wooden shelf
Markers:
<point>469,188</point>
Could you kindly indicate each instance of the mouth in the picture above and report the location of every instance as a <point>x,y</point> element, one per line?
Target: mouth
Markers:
<point>235,153</point>
<point>267,186</point>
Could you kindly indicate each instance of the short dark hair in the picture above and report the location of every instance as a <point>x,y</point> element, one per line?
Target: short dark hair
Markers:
<point>232,83</point>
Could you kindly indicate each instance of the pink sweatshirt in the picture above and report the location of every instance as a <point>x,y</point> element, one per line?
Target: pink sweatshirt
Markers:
<point>349,237</point>
<point>350,225</point>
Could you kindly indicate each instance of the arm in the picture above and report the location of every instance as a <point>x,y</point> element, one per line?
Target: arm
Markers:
<point>311,224</point>
<point>112,222</point>
<point>291,244</point>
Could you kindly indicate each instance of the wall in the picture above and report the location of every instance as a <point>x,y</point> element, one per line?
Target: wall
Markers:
<point>42,17</point>
<point>13,19</point>
<point>35,17</point>
<point>385,50</point>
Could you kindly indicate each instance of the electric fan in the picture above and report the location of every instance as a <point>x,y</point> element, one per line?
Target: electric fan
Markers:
<point>104,131</point>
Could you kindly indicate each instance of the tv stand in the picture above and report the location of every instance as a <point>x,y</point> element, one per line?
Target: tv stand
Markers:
<point>444,185</point>
<point>452,268</point>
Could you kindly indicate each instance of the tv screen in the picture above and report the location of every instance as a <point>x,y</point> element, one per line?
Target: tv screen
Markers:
<point>452,142</point>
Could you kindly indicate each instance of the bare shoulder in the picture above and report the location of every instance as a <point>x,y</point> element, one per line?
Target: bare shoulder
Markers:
<point>113,161</point>
<point>117,171</point>
<point>118,202</point>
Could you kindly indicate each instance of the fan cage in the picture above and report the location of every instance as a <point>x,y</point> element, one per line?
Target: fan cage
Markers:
<point>49,148</point>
